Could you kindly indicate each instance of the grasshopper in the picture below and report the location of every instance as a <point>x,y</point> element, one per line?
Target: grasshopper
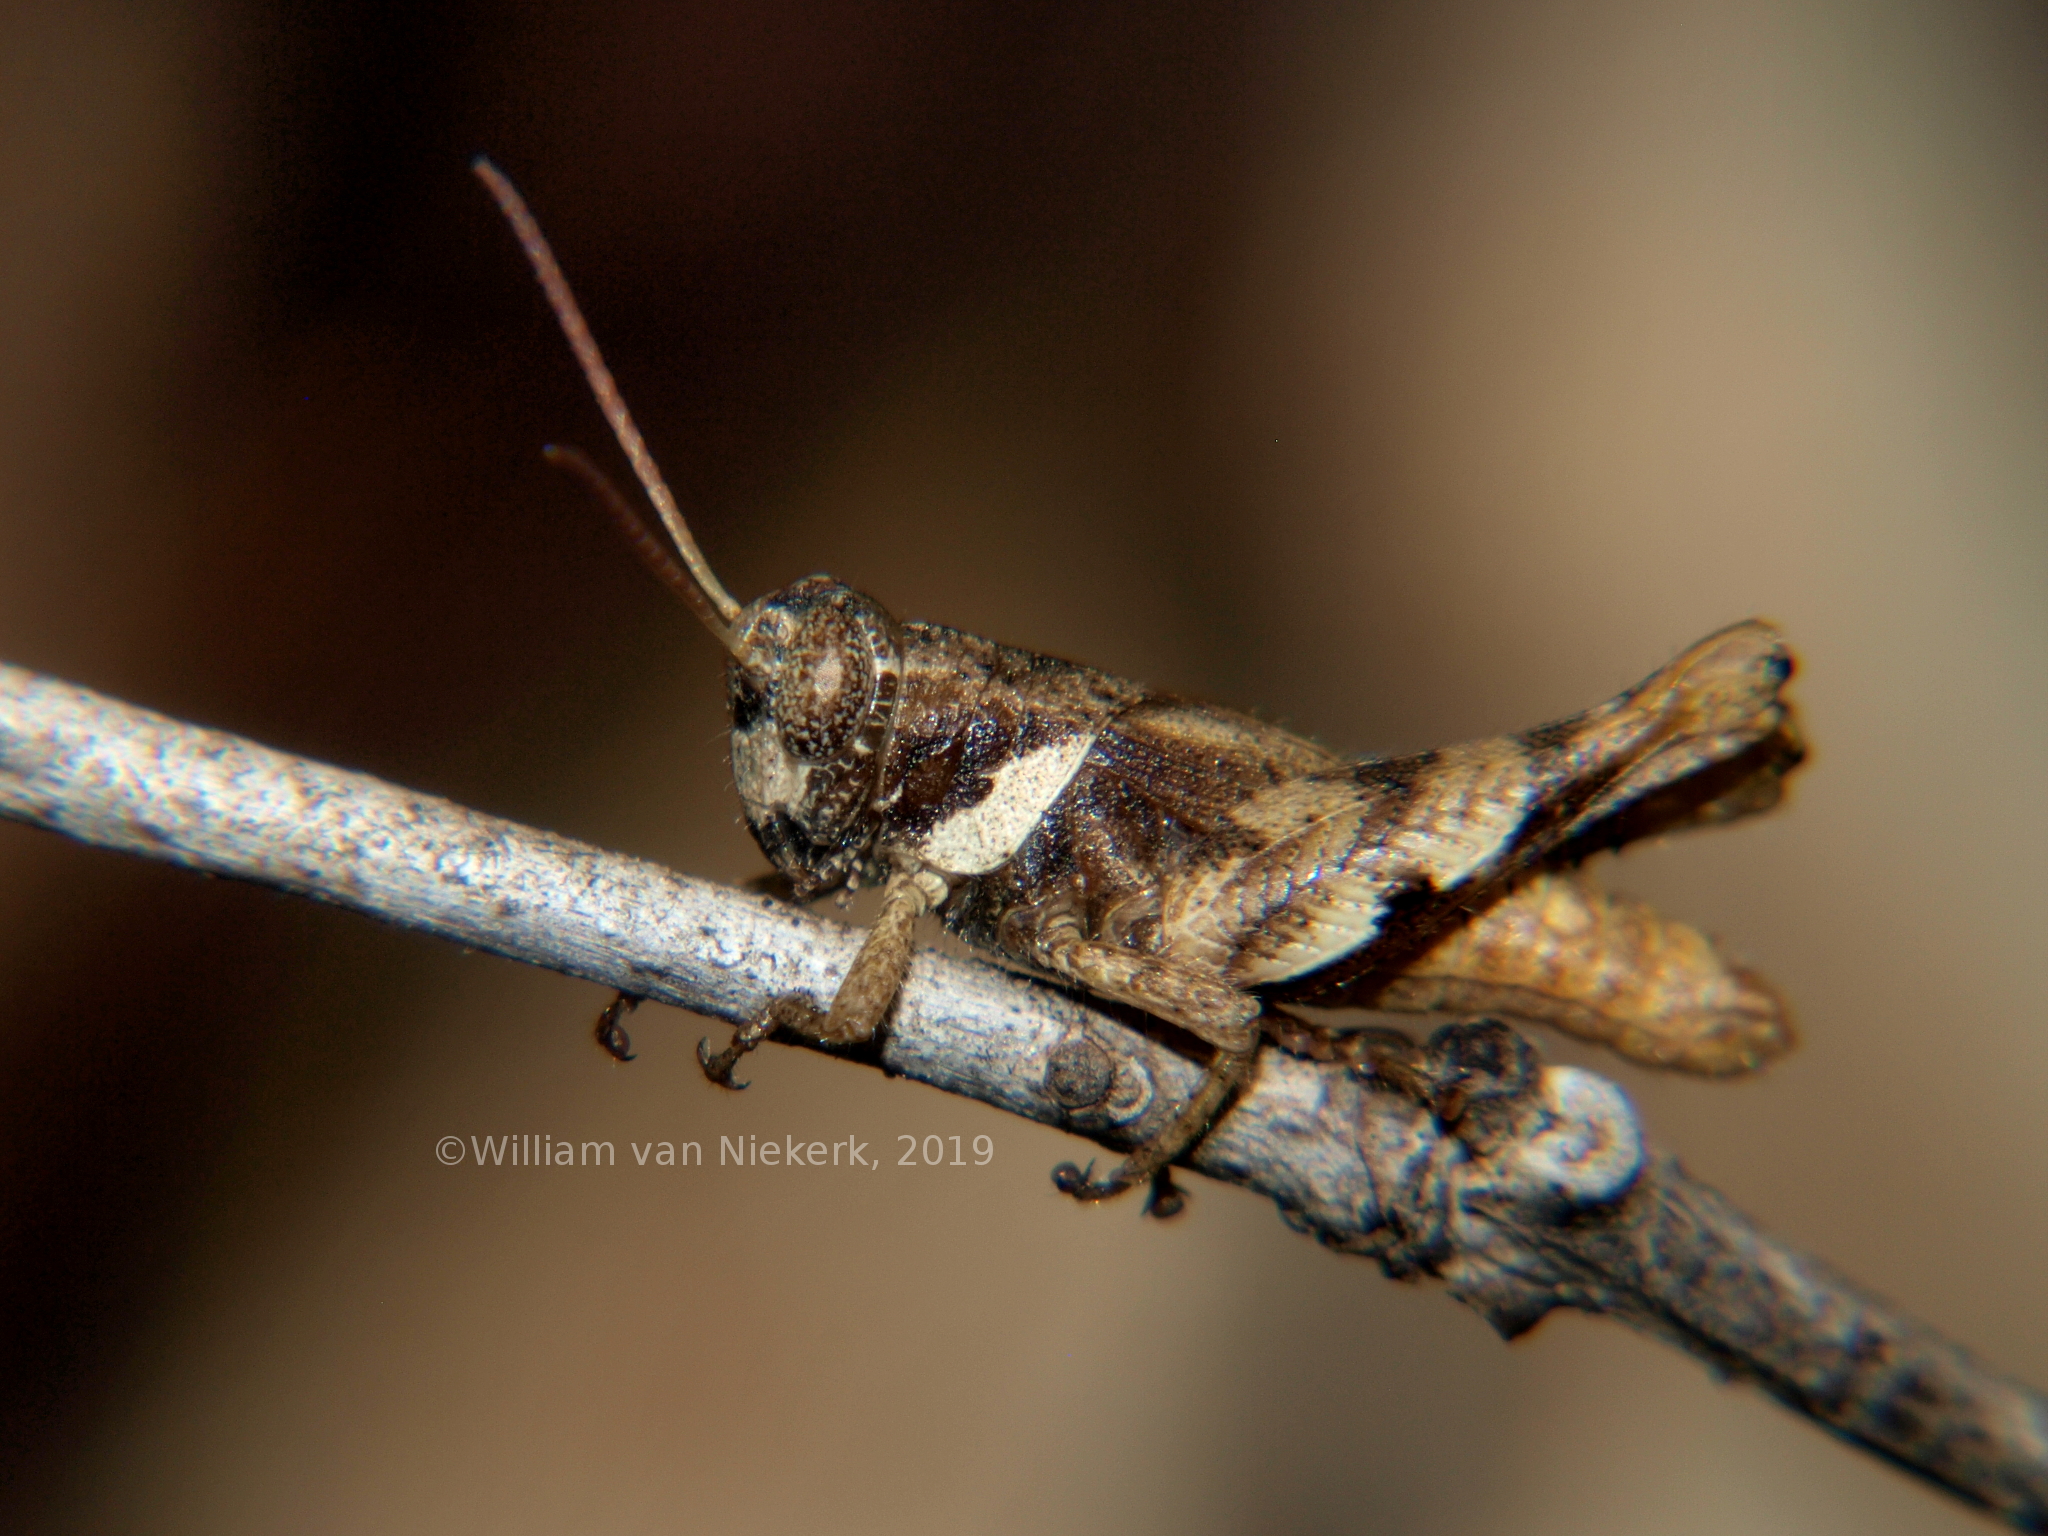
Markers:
<point>1201,865</point>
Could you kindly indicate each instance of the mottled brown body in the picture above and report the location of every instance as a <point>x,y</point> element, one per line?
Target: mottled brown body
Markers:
<point>1203,866</point>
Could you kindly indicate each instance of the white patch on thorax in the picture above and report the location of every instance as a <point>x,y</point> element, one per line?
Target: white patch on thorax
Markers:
<point>980,838</point>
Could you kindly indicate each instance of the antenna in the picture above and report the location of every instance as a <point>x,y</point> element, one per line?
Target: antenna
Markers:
<point>705,595</point>
<point>640,534</point>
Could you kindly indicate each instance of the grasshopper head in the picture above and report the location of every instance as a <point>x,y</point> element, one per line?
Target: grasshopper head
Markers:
<point>813,685</point>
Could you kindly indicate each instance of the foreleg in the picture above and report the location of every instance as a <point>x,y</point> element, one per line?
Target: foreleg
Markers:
<point>864,996</point>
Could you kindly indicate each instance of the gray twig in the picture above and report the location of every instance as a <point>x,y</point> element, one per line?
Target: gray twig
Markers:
<point>1525,1188</point>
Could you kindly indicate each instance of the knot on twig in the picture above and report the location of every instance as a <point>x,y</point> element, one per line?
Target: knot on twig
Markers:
<point>1500,1152</point>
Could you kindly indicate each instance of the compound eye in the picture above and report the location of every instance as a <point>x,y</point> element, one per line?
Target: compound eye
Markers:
<point>823,685</point>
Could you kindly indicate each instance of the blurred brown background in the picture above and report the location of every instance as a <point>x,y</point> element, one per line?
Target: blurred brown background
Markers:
<point>1407,374</point>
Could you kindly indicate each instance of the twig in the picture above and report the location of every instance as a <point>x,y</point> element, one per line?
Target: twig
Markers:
<point>1525,1188</point>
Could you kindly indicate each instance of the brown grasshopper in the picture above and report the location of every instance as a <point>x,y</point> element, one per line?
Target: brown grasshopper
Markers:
<point>1201,865</point>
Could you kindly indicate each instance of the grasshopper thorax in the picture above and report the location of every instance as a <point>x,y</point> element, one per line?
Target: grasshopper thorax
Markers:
<point>816,672</point>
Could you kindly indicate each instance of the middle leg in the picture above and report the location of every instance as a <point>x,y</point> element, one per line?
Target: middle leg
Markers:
<point>1228,1073</point>
<point>1204,1005</point>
